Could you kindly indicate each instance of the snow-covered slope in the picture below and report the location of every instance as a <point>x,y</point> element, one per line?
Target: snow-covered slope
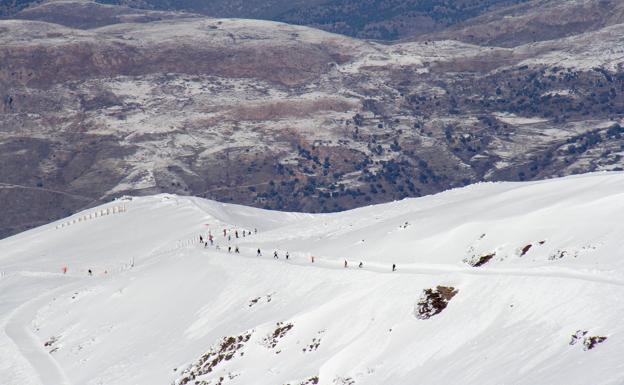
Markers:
<point>521,268</point>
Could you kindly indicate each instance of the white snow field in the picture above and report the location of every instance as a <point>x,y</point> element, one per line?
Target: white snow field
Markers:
<point>169,318</point>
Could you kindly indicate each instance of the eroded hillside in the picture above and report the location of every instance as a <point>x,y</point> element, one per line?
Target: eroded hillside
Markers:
<point>288,117</point>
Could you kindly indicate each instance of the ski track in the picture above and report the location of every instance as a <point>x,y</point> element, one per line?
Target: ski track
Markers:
<point>30,347</point>
<point>435,269</point>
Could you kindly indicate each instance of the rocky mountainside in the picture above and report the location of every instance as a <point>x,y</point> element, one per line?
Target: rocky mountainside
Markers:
<point>372,19</point>
<point>483,22</point>
<point>364,19</point>
<point>537,20</point>
<point>285,117</point>
<point>89,15</point>
<point>389,19</point>
<point>11,7</point>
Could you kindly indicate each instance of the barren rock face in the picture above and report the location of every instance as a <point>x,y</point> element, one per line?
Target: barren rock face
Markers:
<point>288,117</point>
<point>433,302</point>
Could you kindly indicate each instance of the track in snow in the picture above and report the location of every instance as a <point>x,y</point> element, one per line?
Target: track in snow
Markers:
<point>436,269</point>
<point>31,348</point>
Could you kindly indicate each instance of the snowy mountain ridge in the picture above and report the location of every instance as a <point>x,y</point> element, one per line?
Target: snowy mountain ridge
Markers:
<point>495,283</point>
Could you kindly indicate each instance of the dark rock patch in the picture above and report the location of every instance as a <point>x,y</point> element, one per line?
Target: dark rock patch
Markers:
<point>223,351</point>
<point>481,260</point>
<point>589,342</point>
<point>280,331</point>
<point>525,250</point>
<point>432,301</point>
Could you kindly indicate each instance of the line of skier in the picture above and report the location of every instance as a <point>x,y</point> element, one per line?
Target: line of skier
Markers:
<point>258,251</point>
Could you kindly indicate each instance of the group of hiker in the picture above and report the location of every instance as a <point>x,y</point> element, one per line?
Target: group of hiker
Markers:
<point>228,235</point>
<point>210,238</point>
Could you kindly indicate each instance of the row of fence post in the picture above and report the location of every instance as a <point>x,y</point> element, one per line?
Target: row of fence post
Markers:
<point>93,215</point>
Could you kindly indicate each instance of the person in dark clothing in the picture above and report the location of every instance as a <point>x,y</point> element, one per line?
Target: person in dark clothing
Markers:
<point>90,272</point>
<point>345,263</point>
<point>275,255</point>
<point>236,233</point>
<point>201,239</point>
<point>361,265</point>
<point>393,267</point>
<point>229,249</point>
<point>287,255</point>
<point>236,250</point>
<point>259,253</point>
